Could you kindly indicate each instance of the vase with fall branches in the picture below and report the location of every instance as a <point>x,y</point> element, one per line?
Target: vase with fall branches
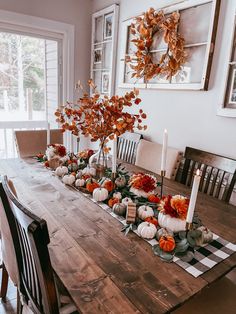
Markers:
<point>101,118</point>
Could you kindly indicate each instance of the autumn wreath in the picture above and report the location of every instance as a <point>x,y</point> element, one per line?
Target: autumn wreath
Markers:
<point>144,28</point>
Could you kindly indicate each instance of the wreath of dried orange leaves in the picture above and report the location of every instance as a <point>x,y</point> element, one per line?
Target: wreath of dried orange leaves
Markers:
<point>101,118</point>
<point>144,28</point>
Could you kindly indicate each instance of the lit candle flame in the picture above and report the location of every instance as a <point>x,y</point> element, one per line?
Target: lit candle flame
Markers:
<point>198,172</point>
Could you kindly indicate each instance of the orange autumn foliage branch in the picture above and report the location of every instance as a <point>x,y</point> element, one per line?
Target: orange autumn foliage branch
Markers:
<point>144,28</point>
<point>101,118</point>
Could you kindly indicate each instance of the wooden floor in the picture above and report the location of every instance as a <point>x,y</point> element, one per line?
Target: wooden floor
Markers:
<point>9,306</point>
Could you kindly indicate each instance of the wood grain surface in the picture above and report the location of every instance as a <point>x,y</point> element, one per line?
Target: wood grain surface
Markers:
<point>104,271</point>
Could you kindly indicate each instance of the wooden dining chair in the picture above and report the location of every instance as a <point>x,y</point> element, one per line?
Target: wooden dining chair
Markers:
<point>218,173</point>
<point>127,146</point>
<point>30,239</point>
<point>32,142</point>
<point>149,157</point>
<point>9,265</point>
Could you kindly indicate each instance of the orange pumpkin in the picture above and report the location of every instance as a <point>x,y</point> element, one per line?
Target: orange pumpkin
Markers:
<point>113,201</point>
<point>90,186</point>
<point>167,243</point>
<point>152,198</point>
<point>152,220</point>
<point>109,185</point>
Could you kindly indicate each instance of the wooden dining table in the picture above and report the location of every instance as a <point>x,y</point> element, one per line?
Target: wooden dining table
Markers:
<point>103,270</point>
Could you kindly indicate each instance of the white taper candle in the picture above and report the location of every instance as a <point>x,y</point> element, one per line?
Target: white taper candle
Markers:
<point>164,150</point>
<point>193,197</point>
<point>114,155</point>
<point>48,133</point>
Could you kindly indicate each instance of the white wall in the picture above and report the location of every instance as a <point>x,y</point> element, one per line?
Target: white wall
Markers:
<point>75,12</point>
<point>189,116</point>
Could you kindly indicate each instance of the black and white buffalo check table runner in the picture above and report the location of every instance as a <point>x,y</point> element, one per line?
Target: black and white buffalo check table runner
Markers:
<point>204,258</point>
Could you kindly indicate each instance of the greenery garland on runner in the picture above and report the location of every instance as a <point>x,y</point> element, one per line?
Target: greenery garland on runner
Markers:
<point>144,28</point>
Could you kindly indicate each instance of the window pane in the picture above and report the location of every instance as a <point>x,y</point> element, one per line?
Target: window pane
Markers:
<point>194,24</point>
<point>98,29</point>
<point>22,78</point>
<point>193,68</point>
<point>107,55</point>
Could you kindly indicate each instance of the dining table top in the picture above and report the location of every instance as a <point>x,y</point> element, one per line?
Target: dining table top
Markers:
<point>103,270</point>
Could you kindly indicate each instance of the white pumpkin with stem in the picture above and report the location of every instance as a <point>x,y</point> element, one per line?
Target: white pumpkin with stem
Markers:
<point>145,212</point>
<point>100,194</point>
<point>68,179</point>
<point>117,195</point>
<point>126,200</point>
<point>90,171</point>
<point>61,171</point>
<point>171,223</point>
<point>79,182</point>
<point>147,230</point>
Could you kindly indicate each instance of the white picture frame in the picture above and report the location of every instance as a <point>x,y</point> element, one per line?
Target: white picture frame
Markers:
<point>105,82</point>
<point>203,47</point>
<point>108,46</point>
<point>108,26</point>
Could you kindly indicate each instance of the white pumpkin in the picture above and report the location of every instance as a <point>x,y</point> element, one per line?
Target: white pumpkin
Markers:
<point>147,230</point>
<point>117,195</point>
<point>68,179</point>
<point>120,181</point>
<point>90,171</point>
<point>79,183</point>
<point>171,223</point>
<point>206,237</point>
<point>61,171</point>
<point>64,159</point>
<point>145,211</point>
<point>79,174</point>
<point>119,209</point>
<point>100,194</point>
<point>73,167</point>
<point>141,193</point>
<point>126,200</point>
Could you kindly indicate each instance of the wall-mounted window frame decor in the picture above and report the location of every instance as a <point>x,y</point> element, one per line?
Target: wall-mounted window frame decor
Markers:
<point>200,47</point>
<point>103,49</point>
<point>227,107</point>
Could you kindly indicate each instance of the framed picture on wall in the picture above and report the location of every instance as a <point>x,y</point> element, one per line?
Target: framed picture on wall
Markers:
<point>105,82</point>
<point>198,26</point>
<point>97,55</point>
<point>232,96</point>
<point>108,25</point>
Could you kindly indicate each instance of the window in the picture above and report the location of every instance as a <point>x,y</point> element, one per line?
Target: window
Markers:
<point>230,95</point>
<point>36,74</point>
<point>198,23</point>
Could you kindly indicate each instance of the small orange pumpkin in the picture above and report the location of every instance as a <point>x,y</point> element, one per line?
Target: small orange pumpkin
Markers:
<point>109,185</point>
<point>113,201</point>
<point>152,198</point>
<point>167,243</point>
<point>90,186</point>
<point>152,220</point>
